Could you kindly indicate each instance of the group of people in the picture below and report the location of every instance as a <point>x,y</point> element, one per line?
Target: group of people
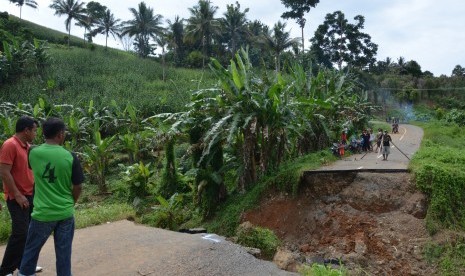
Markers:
<point>366,141</point>
<point>41,185</point>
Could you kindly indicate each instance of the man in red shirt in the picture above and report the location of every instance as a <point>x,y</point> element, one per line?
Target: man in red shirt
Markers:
<point>18,185</point>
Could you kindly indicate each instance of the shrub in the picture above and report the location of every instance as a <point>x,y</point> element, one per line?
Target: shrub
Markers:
<point>258,237</point>
<point>438,169</point>
<point>5,223</point>
<point>455,116</point>
<point>322,270</point>
<point>169,214</point>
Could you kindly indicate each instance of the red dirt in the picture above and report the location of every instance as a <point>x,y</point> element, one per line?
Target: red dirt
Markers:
<point>372,222</point>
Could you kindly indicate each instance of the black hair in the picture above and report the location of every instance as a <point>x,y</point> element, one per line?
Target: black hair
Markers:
<point>25,122</point>
<point>52,127</point>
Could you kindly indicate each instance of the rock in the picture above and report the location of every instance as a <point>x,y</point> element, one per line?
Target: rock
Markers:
<point>245,226</point>
<point>315,260</point>
<point>305,248</point>
<point>355,258</point>
<point>283,258</point>
<point>193,230</point>
<point>253,251</point>
<point>360,246</point>
<point>417,206</point>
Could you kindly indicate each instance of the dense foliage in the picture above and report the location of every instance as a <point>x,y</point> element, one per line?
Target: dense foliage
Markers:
<point>438,168</point>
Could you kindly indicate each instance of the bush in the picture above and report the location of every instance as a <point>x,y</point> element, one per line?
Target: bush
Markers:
<point>322,270</point>
<point>258,237</point>
<point>170,214</point>
<point>455,116</point>
<point>5,223</point>
<point>195,59</point>
<point>438,169</point>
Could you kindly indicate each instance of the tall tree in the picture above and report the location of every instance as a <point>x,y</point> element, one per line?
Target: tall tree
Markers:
<point>144,26</point>
<point>458,71</point>
<point>278,41</point>
<point>202,25</point>
<point>234,26</point>
<point>337,41</point>
<point>298,8</point>
<point>257,49</point>
<point>73,9</point>
<point>94,12</point>
<point>176,38</point>
<point>162,41</point>
<point>107,25</point>
<point>20,3</point>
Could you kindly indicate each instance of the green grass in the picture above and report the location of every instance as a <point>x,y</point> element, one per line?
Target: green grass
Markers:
<point>52,36</point>
<point>261,238</point>
<point>438,170</point>
<point>86,215</point>
<point>438,167</point>
<point>84,72</point>
<point>77,76</point>
<point>5,222</point>
<point>322,270</point>
<point>375,125</point>
<point>94,214</point>
<point>449,258</point>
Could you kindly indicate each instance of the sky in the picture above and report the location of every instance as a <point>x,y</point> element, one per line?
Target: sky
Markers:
<point>429,32</point>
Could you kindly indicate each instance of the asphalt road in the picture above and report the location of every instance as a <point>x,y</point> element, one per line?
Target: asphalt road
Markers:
<point>126,249</point>
<point>405,144</point>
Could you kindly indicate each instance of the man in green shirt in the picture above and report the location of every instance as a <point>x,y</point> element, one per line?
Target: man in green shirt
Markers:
<point>58,182</point>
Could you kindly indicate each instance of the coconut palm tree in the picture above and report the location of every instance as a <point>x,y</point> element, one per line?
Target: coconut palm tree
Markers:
<point>162,41</point>
<point>297,11</point>
<point>202,25</point>
<point>73,9</point>
<point>87,24</point>
<point>94,12</point>
<point>234,25</point>
<point>176,37</point>
<point>108,25</point>
<point>144,26</point>
<point>20,3</point>
<point>278,41</point>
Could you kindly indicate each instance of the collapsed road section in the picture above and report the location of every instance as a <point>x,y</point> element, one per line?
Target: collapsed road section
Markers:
<point>371,222</point>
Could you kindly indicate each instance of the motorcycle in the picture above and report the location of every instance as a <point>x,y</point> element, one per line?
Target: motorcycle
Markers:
<point>355,146</point>
<point>395,128</point>
<point>335,149</point>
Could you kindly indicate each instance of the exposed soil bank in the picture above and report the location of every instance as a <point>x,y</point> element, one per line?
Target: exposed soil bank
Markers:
<point>372,222</point>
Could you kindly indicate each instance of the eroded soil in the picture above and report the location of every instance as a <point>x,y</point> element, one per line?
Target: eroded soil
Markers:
<point>372,222</point>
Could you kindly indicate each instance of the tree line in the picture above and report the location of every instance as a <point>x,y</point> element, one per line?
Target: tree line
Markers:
<point>192,41</point>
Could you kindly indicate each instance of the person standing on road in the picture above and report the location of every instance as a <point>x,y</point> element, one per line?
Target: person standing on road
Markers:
<point>365,140</point>
<point>379,138</point>
<point>18,186</point>
<point>343,143</point>
<point>58,176</point>
<point>372,138</point>
<point>386,145</point>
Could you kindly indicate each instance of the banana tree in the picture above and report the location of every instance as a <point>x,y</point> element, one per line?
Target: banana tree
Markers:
<point>97,157</point>
<point>139,178</point>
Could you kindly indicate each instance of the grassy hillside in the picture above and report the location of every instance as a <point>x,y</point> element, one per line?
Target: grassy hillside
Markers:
<point>84,73</point>
<point>79,75</point>
<point>51,35</point>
